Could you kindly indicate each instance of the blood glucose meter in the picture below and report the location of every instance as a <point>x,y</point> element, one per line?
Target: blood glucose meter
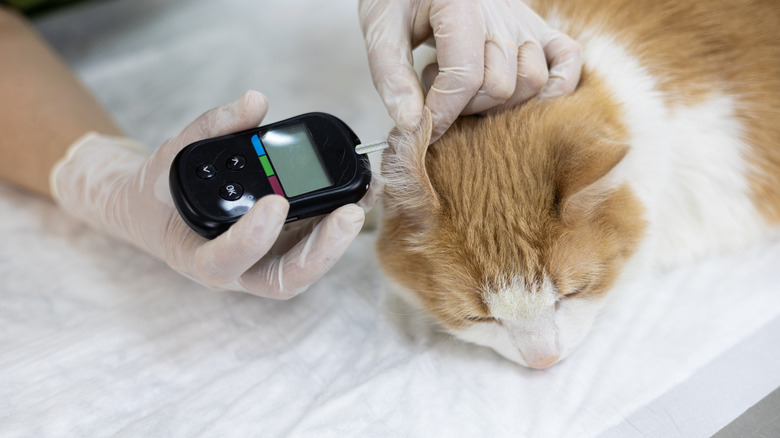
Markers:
<point>309,159</point>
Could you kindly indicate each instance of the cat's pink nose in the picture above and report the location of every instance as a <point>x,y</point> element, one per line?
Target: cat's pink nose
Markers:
<point>542,362</point>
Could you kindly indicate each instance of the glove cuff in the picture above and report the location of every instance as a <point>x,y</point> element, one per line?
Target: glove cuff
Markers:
<point>73,150</point>
<point>89,182</point>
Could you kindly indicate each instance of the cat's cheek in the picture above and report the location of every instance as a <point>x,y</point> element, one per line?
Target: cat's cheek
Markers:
<point>574,320</point>
<point>491,335</point>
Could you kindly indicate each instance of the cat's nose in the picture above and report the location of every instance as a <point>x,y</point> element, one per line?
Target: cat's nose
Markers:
<point>542,362</point>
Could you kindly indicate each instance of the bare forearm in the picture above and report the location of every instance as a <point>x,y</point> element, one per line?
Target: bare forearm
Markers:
<point>43,106</point>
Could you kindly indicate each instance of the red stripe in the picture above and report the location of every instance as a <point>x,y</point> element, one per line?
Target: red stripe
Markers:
<point>276,186</point>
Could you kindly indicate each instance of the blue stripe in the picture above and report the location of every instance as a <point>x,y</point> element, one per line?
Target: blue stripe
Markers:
<point>258,146</point>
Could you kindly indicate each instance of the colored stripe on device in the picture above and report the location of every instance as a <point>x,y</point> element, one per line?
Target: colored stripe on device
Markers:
<point>266,163</point>
<point>276,186</point>
<point>269,171</point>
<point>258,146</point>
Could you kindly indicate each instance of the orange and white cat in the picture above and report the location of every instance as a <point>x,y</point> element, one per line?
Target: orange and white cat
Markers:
<point>513,228</point>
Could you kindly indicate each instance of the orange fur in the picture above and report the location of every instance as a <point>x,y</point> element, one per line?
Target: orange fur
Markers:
<point>526,193</point>
<point>495,195</point>
<point>695,47</point>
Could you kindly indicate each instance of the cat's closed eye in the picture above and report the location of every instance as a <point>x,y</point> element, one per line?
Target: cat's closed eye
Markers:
<point>482,319</point>
<point>577,291</point>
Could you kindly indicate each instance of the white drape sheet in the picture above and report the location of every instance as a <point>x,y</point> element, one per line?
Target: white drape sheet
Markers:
<point>99,339</point>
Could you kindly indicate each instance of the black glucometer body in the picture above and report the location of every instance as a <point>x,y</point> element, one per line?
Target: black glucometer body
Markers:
<point>309,159</point>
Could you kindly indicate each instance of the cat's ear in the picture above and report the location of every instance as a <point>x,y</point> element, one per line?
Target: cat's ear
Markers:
<point>408,189</point>
<point>582,171</point>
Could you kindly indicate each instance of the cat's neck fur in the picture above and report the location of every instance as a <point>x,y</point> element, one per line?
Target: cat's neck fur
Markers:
<point>687,161</point>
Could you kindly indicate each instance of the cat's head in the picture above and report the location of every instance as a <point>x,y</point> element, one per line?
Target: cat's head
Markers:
<point>512,228</point>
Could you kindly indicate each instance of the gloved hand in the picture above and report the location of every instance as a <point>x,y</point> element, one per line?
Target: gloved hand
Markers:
<point>491,54</point>
<point>124,191</point>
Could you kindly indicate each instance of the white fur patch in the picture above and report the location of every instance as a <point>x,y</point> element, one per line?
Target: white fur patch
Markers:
<point>534,322</point>
<point>517,300</point>
<point>493,335</point>
<point>687,164</point>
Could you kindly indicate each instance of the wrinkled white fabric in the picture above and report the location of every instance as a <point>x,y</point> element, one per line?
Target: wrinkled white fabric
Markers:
<point>491,54</point>
<point>99,339</point>
<point>121,190</point>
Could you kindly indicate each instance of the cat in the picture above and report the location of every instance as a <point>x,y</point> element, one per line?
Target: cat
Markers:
<point>513,228</point>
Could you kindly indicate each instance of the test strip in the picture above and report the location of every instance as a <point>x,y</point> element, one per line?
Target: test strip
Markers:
<point>367,148</point>
<point>276,186</point>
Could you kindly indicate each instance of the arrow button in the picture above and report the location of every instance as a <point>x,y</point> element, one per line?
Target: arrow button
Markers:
<point>235,162</point>
<point>206,171</point>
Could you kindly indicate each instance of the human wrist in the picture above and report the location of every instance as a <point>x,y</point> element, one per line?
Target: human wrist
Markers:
<point>92,174</point>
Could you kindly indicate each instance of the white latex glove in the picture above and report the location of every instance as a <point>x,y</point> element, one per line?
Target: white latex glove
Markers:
<point>124,191</point>
<point>491,54</point>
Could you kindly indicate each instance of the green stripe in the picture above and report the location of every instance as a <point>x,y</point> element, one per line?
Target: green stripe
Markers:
<point>266,165</point>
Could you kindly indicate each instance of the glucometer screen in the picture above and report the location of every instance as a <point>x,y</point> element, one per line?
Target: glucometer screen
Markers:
<point>295,159</point>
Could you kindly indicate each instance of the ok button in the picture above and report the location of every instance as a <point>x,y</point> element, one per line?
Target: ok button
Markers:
<point>231,191</point>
